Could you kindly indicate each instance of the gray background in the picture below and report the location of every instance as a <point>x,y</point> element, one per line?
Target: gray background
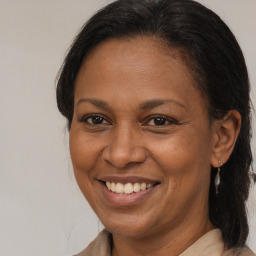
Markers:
<point>42,211</point>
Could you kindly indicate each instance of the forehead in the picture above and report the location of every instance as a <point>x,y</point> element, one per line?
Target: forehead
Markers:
<point>144,47</point>
<point>141,66</point>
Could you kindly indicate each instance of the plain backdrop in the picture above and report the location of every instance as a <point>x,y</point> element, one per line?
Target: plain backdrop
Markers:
<point>42,211</point>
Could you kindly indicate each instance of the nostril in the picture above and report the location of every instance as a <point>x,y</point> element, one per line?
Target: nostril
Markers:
<point>123,156</point>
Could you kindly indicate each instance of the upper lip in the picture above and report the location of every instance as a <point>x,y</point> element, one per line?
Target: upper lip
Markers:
<point>127,179</point>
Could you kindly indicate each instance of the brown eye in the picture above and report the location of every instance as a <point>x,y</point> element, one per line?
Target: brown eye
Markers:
<point>159,121</point>
<point>96,120</point>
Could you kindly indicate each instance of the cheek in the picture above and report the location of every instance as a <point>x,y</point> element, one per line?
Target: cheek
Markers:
<point>185,162</point>
<point>84,157</point>
<point>186,153</point>
<point>83,151</point>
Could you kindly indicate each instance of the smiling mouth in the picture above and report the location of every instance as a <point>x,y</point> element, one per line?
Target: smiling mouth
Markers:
<point>128,188</point>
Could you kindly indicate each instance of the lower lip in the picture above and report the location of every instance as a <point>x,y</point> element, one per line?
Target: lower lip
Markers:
<point>126,199</point>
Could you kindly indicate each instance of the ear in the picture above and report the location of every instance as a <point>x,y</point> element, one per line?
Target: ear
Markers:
<point>226,131</point>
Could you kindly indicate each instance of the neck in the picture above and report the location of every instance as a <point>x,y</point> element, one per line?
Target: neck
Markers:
<point>173,241</point>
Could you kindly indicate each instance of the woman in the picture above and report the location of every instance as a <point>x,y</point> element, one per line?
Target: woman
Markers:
<point>156,95</point>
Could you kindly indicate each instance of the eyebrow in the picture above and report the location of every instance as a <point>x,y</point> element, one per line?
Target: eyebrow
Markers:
<point>143,106</point>
<point>96,102</point>
<point>156,102</point>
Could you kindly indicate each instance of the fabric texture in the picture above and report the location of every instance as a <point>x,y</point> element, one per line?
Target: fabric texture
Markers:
<point>211,244</point>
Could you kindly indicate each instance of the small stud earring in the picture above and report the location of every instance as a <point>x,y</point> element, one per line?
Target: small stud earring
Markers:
<point>217,178</point>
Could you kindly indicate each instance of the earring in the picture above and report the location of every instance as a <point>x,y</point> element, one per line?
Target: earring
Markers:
<point>217,178</point>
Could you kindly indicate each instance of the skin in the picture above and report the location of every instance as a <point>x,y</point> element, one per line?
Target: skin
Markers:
<point>117,82</point>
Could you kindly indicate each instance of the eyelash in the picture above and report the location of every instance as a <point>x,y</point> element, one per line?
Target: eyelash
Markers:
<point>86,118</point>
<point>161,118</point>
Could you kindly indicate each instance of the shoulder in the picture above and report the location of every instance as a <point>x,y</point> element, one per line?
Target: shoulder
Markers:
<point>100,246</point>
<point>239,252</point>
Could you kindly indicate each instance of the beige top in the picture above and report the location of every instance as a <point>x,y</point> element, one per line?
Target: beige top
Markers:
<point>209,244</point>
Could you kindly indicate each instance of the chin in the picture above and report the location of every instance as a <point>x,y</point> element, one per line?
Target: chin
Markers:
<point>127,227</point>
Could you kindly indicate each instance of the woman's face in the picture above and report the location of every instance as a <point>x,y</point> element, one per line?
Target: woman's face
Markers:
<point>140,127</point>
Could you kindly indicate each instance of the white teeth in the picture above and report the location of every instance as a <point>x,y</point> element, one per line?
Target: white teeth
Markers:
<point>143,186</point>
<point>149,185</point>
<point>108,185</point>
<point>119,188</point>
<point>136,187</point>
<point>113,187</point>
<point>127,188</point>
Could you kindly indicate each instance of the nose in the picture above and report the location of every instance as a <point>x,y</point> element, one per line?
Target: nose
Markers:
<point>124,148</point>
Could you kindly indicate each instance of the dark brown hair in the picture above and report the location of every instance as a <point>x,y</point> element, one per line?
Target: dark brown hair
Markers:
<point>221,75</point>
